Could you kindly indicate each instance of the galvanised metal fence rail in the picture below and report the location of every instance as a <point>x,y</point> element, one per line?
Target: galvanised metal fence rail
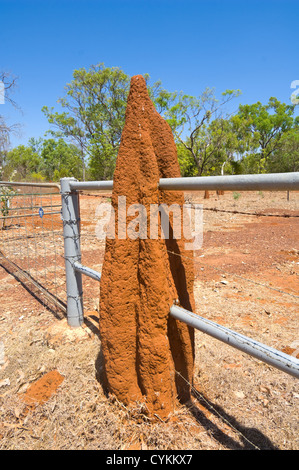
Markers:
<point>263,182</point>
<point>74,268</point>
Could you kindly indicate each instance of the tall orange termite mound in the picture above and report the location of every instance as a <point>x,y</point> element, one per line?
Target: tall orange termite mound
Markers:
<point>148,356</point>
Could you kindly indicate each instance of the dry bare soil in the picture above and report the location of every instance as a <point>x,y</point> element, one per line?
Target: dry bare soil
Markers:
<point>247,278</point>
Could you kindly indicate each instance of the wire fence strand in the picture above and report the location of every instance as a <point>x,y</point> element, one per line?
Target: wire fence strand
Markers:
<point>31,238</point>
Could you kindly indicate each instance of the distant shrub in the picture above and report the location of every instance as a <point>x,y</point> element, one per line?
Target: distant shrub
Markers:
<point>236,195</point>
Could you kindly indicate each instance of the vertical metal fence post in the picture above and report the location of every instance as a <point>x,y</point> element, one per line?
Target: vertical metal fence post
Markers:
<point>72,252</point>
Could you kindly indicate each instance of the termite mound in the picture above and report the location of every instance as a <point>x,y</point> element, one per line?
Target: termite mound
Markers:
<point>148,357</point>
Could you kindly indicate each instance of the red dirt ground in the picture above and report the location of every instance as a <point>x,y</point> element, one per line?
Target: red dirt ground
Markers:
<point>247,278</point>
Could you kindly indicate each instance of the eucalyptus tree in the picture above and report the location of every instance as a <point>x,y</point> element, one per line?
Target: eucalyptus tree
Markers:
<point>92,115</point>
<point>286,156</point>
<point>267,124</point>
<point>198,124</point>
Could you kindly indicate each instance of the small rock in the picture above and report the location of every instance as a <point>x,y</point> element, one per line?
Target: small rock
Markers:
<point>240,394</point>
<point>60,333</point>
<point>4,383</point>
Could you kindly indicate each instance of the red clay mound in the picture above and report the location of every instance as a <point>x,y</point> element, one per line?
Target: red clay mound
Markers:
<point>142,346</point>
<point>42,390</point>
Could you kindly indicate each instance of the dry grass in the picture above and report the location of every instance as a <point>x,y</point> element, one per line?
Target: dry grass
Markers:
<point>238,403</point>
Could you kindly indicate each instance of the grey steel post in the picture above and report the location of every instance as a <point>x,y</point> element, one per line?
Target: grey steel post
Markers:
<point>72,252</point>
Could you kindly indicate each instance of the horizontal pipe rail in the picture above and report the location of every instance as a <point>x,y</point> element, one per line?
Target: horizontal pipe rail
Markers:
<point>87,271</point>
<point>271,182</point>
<point>262,182</point>
<point>271,356</point>
<point>37,185</point>
<point>91,185</point>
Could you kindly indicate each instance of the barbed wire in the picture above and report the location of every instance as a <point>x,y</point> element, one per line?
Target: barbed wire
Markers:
<point>195,259</point>
<point>256,214</point>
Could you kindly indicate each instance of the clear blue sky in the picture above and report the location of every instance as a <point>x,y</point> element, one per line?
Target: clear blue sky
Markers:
<point>189,45</point>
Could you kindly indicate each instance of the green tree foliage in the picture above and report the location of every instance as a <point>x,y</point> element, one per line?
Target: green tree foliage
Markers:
<point>86,131</point>
<point>266,125</point>
<point>286,156</point>
<point>59,159</point>
<point>187,164</point>
<point>23,161</point>
<point>198,125</point>
<point>93,114</point>
<point>48,159</point>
